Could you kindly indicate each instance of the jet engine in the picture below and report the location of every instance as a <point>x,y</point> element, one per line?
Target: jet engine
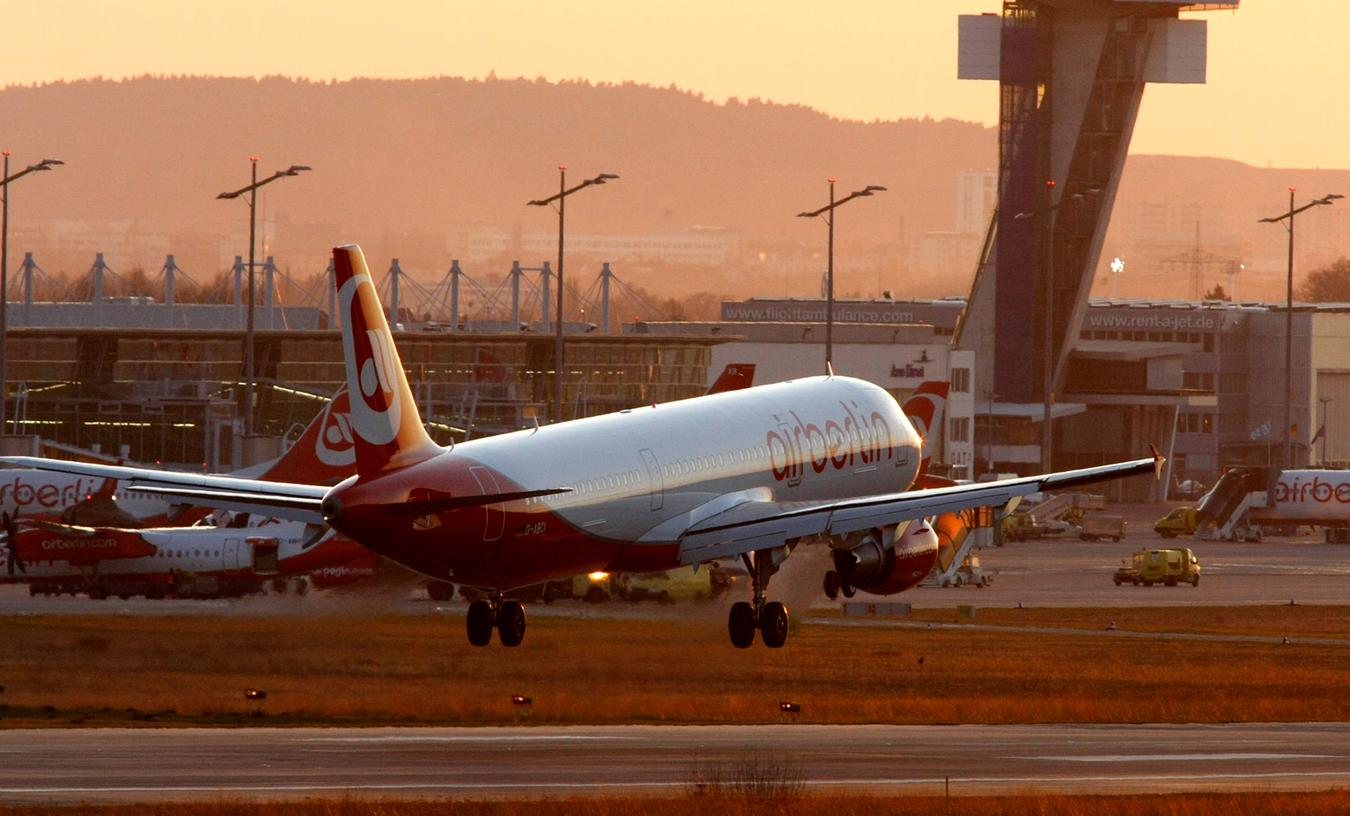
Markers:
<point>880,562</point>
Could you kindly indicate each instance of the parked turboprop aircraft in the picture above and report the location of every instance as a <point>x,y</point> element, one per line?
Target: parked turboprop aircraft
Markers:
<point>199,561</point>
<point>322,455</point>
<point>750,473</point>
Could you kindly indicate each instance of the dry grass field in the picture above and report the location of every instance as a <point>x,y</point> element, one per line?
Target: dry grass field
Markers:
<point>355,670</point>
<point>1272,621</point>
<point>1333,803</point>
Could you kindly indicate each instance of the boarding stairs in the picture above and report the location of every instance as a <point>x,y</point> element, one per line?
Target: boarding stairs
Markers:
<point>1222,513</point>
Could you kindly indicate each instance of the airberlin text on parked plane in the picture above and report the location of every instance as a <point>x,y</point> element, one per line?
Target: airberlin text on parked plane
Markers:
<point>50,496</point>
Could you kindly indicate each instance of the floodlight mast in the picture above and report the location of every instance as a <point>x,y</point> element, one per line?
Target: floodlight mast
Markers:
<point>5,179</point>
<point>561,197</point>
<point>827,212</point>
<point>252,190</point>
<point>1287,218</point>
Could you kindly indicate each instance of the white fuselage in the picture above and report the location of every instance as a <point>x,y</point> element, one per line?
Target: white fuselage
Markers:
<point>636,480</point>
<point>1309,497</point>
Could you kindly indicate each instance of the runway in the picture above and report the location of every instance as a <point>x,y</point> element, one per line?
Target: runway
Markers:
<point>141,765</point>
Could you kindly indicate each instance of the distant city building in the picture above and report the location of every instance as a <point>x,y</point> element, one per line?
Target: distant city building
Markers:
<point>976,200</point>
<point>698,246</point>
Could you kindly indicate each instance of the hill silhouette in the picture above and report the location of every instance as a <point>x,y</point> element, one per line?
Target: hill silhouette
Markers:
<point>397,162</point>
<point>415,155</point>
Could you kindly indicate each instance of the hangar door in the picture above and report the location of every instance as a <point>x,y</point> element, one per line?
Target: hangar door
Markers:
<point>1335,387</point>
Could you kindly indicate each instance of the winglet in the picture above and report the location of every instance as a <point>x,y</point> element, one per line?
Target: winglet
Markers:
<point>387,429</point>
<point>1158,461</point>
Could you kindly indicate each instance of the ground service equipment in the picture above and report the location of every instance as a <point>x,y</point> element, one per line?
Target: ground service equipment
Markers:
<point>1164,566</point>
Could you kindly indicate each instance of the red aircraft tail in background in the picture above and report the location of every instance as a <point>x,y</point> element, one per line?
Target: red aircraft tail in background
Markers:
<point>734,377</point>
<point>325,453</point>
<point>924,408</point>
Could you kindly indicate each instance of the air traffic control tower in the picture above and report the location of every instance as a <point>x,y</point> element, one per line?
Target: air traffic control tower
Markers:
<point>1071,77</point>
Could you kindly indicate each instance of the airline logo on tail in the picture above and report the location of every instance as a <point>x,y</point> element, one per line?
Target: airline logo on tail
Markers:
<point>376,412</point>
<point>325,453</point>
<point>387,432</point>
<point>924,409</point>
<point>334,445</point>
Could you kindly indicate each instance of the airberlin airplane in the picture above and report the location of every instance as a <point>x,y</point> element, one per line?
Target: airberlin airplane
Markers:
<point>751,473</point>
<point>323,455</point>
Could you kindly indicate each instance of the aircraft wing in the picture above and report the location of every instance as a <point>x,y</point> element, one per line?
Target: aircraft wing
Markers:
<point>759,525</point>
<point>296,502</point>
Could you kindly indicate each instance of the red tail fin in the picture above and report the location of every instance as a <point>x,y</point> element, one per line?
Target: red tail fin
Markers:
<point>734,377</point>
<point>387,431</point>
<point>924,409</point>
<point>325,453</point>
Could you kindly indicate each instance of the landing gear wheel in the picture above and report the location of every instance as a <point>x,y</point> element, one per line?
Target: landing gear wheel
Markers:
<point>479,623</point>
<point>511,623</point>
<point>832,585</point>
<point>848,589</point>
<point>773,624</point>
<point>741,625</point>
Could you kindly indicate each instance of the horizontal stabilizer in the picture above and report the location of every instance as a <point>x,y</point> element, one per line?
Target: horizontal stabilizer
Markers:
<point>295,508</point>
<point>435,505</point>
<point>298,502</point>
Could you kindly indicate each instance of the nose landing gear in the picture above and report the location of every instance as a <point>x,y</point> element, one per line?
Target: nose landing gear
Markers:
<point>507,617</point>
<point>770,619</point>
<point>835,584</point>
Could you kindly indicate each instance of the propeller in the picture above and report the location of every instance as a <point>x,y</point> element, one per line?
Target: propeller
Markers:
<point>12,544</point>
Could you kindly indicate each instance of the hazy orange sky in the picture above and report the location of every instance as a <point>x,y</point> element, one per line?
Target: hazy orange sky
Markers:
<point>881,59</point>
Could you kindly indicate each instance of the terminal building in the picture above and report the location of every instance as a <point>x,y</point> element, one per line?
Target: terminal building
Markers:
<point>175,397</point>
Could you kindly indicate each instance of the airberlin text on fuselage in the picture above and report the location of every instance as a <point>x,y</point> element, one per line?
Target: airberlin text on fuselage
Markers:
<point>853,440</point>
<point>79,544</point>
<point>1315,489</point>
<point>46,496</point>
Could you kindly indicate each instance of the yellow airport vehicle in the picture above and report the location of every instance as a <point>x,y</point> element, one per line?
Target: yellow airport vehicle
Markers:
<point>1179,521</point>
<point>1162,566</point>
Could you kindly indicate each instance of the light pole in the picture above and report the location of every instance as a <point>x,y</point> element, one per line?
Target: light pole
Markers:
<point>828,213</point>
<point>561,197</point>
<point>5,179</point>
<point>1287,219</point>
<point>252,190</point>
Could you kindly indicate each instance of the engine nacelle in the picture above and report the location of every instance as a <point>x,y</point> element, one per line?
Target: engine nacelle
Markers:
<point>876,561</point>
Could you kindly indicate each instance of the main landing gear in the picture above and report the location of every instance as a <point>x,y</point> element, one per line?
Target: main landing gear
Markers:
<point>769,619</point>
<point>507,617</point>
